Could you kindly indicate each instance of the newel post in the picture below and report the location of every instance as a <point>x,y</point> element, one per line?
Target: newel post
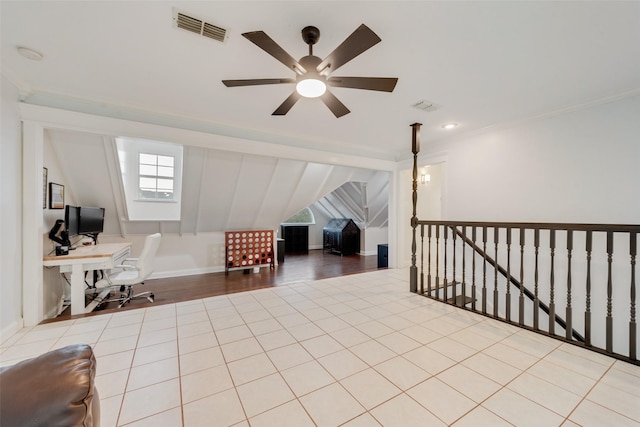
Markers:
<point>415,148</point>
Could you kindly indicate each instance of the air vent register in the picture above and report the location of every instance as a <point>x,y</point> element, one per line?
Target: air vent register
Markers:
<point>198,26</point>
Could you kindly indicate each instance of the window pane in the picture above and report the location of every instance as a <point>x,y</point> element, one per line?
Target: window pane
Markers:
<point>147,182</point>
<point>148,170</point>
<point>165,195</point>
<point>144,193</point>
<point>164,171</point>
<point>305,216</point>
<point>149,159</point>
<point>165,184</point>
<point>165,161</point>
<point>156,173</point>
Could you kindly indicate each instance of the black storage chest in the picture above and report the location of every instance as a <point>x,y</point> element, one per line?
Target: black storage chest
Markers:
<point>296,239</point>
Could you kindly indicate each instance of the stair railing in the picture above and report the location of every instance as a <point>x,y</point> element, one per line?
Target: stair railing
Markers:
<point>605,285</point>
<point>525,292</point>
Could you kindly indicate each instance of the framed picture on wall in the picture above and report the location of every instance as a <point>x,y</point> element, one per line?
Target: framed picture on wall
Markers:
<point>56,196</point>
<point>45,172</point>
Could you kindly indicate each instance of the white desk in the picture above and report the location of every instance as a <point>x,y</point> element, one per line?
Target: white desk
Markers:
<point>85,258</point>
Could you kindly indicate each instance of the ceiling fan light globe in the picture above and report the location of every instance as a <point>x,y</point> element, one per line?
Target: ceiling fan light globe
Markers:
<point>311,88</point>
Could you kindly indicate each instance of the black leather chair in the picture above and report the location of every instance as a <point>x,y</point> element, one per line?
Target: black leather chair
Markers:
<point>56,389</point>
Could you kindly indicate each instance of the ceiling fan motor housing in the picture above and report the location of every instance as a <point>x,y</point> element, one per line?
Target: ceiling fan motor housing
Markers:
<point>310,63</point>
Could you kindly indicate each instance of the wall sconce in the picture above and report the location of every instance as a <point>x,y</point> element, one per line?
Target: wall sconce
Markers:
<point>425,178</point>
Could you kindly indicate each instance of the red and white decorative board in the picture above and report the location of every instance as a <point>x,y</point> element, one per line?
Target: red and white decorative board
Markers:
<point>248,249</point>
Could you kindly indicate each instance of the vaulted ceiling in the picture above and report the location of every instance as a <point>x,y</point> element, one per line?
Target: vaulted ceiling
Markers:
<point>221,190</point>
<point>483,63</point>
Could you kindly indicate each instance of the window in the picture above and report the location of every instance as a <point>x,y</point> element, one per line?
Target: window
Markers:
<point>156,176</point>
<point>304,217</point>
<point>151,179</point>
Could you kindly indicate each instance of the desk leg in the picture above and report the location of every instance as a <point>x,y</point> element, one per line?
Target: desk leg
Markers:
<point>77,289</point>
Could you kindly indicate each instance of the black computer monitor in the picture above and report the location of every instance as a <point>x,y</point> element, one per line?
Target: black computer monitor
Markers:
<point>91,221</point>
<point>71,220</point>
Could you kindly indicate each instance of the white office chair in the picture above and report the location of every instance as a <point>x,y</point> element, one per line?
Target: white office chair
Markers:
<point>133,272</point>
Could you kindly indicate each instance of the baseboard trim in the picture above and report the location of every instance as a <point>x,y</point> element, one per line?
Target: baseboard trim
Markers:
<point>369,253</point>
<point>189,272</point>
<point>218,269</point>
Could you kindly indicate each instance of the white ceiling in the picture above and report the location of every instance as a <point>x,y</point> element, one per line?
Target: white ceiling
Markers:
<point>486,63</point>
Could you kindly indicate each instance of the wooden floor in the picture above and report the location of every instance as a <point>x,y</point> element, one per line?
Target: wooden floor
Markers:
<point>315,265</point>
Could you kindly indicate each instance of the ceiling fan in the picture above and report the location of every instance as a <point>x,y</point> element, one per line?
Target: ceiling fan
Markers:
<point>315,74</point>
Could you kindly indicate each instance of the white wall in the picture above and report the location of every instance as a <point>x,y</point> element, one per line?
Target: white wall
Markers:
<point>315,231</point>
<point>371,237</point>
<point>10,212</point>
<point>577,167</point>
<point>429,206</point>
<point>431,194</point>
<point>180,255</point>
<point>581,166</point>
<point>54,287</point>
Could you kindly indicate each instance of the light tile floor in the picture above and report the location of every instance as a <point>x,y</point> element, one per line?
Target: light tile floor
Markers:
<point>357,350</point>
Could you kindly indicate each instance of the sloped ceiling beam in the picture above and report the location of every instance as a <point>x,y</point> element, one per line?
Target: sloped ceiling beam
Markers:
<point>378,194</point>
<point>295,191</point>
<point>355,186</point>
<point>341,214</point>
<point>382,210</point>
<point>321,187</point>
<point>115,178</point>
<point>361,189</point>
<point>198,207</point>
<point>338,194</point>
<point>365,206</point>
<point>265,195</point>
<point>321,204</point>
<point>237,181</point>
<point>347,197</point>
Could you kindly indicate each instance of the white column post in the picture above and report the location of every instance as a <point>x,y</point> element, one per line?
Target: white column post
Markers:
<point>32,220</point>
<point>395,224</point>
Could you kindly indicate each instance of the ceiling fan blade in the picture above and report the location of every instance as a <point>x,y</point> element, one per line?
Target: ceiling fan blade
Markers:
<point>266,43</point>
<point>255,82</point>
<point>337,108</point>
<point>382,84</point>
<point>359,41</point>
<point>287,104</point>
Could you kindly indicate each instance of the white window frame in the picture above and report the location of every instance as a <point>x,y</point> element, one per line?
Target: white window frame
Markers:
<point>313,218</point>
<point>149,209</point>
<point>157,176</point>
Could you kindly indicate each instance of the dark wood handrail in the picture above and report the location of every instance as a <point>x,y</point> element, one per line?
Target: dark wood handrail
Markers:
<point>615,228</point>
<point>511,279</point>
